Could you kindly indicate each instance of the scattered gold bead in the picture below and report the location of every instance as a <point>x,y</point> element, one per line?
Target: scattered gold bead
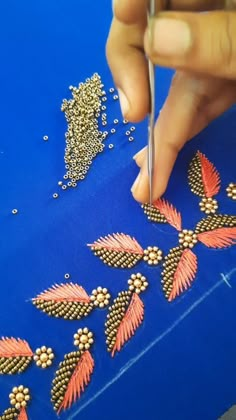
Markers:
<point>14,211</point>
<point>45,138</point>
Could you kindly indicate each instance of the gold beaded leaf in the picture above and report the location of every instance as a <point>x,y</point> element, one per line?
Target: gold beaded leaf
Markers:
<point>118,250</point>
<point>67,300</point>
<point>72,376</point>
<point>9,414</point>
<point>161,211</point>
<point>204,179</point>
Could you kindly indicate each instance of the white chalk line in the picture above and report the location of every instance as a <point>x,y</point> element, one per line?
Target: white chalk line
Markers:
<point>133,361</point>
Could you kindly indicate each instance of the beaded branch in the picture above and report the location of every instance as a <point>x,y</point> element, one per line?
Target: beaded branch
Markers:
<point>180,265</point>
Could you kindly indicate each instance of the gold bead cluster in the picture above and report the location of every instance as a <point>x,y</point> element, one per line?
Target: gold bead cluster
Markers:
<point>66,310</point>
<point>187,238</point>
<point>43,357</point>
<point>100,297</point>
<point>231,191</point>
<point>19,397</point>
<point>115,258</point>
<point>137,283</point>
<point>84,140</point>
<point>170,265</point>
<point>215,222</point>
<point>153,255</point>
<point>208,205</point>
<point>62,378</point>
<point>116,313</point>
<point>83,339</point>
<point>12,365</point>
<point>153,214</point>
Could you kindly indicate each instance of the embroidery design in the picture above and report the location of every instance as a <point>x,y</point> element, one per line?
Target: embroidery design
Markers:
<point>204,181</point>
<point>74,372</point>
<point>122,251</point>
<point>19,398</point>
<point>125,314</point>
<point>16,356</point>
<point>69,301</point>
<point>231,191</point>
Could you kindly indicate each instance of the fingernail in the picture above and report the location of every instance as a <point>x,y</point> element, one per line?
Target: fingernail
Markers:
<point>135,184</point>
<point>170,37</point>
<point>124,103</point>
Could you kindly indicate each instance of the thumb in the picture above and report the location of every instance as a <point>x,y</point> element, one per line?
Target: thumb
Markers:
<point>200,42</point>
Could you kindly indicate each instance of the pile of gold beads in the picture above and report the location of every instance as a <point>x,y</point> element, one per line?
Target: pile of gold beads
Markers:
<point>231,191</point>
<point>84,140</point>
<point>19,397</point>
<point>44,357</point>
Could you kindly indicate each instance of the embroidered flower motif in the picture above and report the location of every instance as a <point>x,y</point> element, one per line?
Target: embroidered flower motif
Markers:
<point>83,339</point>
<point>137,283</point>
<point>100,297</point>
<point>44,357</point>
<point>19,397</point>
<point>231,191</point>
<point>208,205</point>
<point>153,255</point>
<point>187,238</point>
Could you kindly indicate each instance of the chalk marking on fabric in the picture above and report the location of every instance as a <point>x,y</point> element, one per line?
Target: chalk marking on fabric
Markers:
<point>227,277</point>
<point>134,360</point>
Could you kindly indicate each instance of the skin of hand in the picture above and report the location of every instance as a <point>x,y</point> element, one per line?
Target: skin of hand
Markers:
<point>201,47</point>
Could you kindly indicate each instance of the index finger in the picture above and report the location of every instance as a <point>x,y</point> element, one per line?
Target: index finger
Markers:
<point>134,11</point>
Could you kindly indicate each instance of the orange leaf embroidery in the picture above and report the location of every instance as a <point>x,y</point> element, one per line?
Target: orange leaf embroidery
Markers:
<point>79,379</point>
<point>172,216</point>
<point>67,292</point>
<point>14,347</point>
<point>210,176</point>
<point>184,274</point>
<point>118,242</point>
<point>23,414</point>
<point>218,238</point>
<point>131,321</point>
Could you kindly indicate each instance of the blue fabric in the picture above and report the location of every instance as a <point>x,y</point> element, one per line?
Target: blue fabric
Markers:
<point>181,362</point>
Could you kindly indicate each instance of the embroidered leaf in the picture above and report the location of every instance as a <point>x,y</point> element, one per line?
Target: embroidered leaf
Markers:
<point>163,212</point>
<point>180,268</point>
<point>172,216</point>
<point>67,300</point>
<point>218,238</point>
<point>22,414</point>
<point>75,372</point>
<point>15,355</point>
<point>203,177</point>
<point>126,314</point>
<point>118,250</point>
<point>215,222</point>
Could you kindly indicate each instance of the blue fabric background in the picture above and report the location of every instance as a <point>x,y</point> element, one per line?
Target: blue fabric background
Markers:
<point>181,362</point>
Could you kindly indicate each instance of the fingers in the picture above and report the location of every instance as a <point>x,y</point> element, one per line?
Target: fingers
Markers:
<point>129,69</point>
<point>203,43</point>
<point>199,102</point>
<point>133,11</point>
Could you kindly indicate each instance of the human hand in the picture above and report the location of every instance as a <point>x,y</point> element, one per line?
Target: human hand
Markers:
<point>202,49</point>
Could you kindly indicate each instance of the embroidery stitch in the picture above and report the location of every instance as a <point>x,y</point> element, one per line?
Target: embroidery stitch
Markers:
<point>67,300</point>
<point>122,251</point>
<point>125,314</point>
<point>73,373</point>
<point>15,355</point>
